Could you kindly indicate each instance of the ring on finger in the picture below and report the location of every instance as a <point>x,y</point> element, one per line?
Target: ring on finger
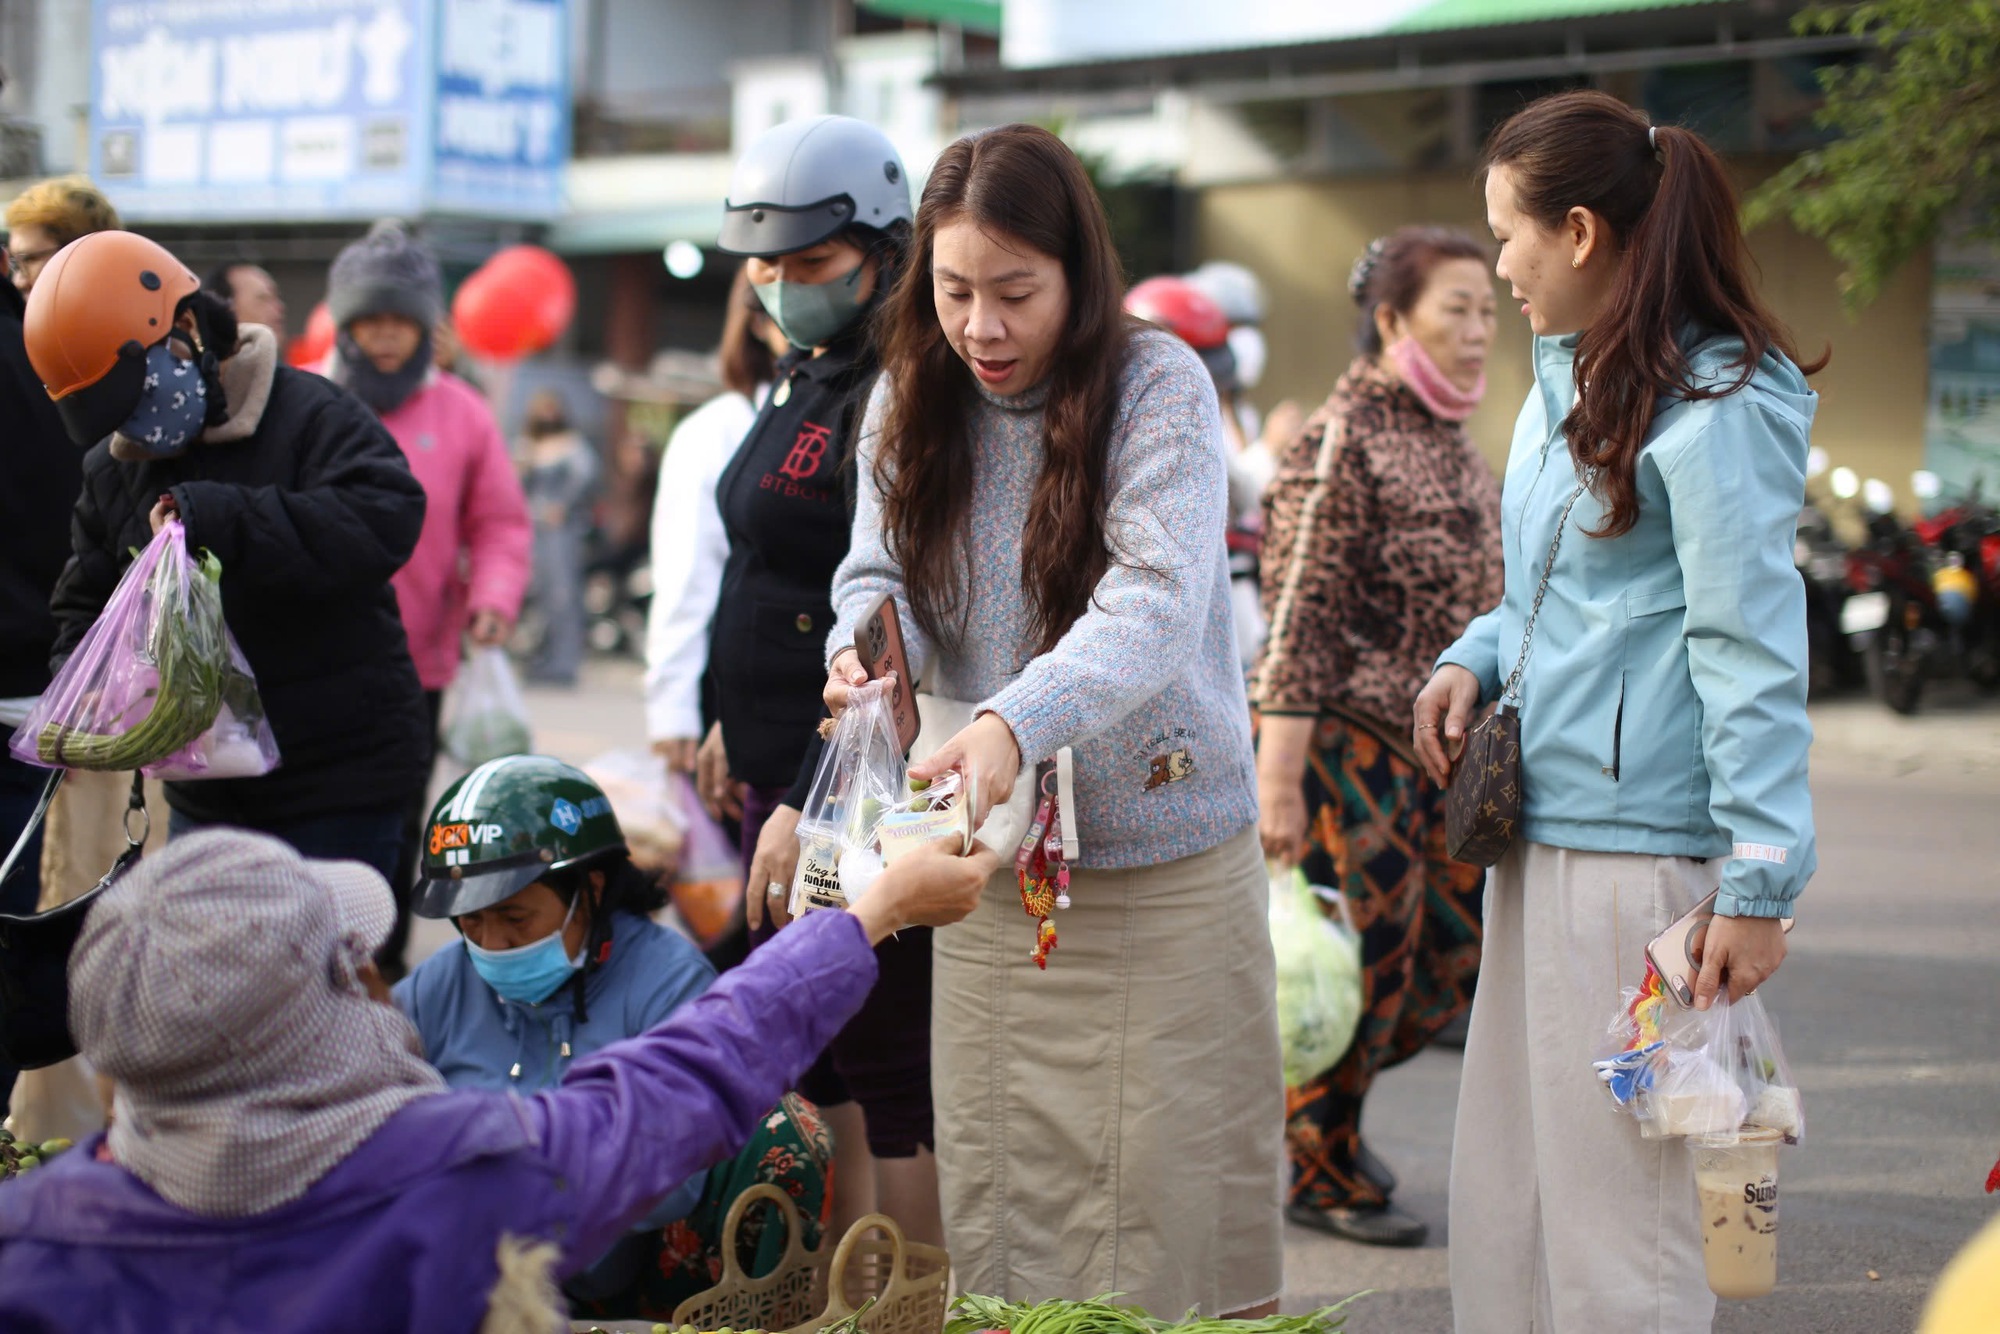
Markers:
<point>773,890</point>
<point>1427,727</point>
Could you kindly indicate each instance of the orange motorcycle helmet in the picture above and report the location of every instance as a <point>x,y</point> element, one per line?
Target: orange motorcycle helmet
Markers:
<point>99,304</point>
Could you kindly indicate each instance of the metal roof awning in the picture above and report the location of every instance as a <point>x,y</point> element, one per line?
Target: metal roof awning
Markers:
<point>635,230</point>
<point>1446,43</point>
<point>1446,14</point>
<point>981,16</point>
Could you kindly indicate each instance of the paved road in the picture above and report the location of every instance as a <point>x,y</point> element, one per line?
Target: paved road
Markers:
<point>1888,1004</point>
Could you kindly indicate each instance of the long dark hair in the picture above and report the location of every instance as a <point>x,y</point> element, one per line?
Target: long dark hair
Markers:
<point>1020,182</point>
<point>1672,213</point>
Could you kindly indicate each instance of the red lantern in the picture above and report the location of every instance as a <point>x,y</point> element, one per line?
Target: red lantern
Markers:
<point>515,304</point>
<point>309,349</point>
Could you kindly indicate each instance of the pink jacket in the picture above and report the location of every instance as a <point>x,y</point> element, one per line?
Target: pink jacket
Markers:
<point>476,547</point>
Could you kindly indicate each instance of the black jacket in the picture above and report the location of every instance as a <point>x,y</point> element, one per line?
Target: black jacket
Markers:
<point>310,515</point>
<point>42,472</point>
<point>787,504</point>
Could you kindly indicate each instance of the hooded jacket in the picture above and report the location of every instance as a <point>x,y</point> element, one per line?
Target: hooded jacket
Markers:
<point>1663,709</point>
<point>311,508</point>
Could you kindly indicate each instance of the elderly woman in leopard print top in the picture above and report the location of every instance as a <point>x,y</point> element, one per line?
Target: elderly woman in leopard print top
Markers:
<point>1382,540</point>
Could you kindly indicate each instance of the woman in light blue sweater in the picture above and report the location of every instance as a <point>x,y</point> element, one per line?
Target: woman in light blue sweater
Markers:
<point>1043,491</point>
<point>1657,472</point>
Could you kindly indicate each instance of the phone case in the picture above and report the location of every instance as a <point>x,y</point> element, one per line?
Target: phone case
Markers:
<point>1676,952</point>
<point>879,641</point>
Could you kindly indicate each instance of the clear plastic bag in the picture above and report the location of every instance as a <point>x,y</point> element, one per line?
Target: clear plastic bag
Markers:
<point>648,806</point>
<point>1712,1074</point>
<point>488,719</point>
<point>158,683</point>
<point>1319,977</point>
<point>859,780</point>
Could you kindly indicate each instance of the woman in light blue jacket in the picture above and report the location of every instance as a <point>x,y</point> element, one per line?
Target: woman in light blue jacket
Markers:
<point>1663,721</point>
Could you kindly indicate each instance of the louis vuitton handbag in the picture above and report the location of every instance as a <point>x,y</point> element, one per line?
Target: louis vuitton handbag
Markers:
<point>1482,806</point>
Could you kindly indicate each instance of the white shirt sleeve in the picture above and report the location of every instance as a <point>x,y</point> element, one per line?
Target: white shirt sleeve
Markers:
<point>689,550</point>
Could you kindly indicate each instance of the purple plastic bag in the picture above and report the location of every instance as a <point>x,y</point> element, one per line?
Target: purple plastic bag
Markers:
<point>158,683</point>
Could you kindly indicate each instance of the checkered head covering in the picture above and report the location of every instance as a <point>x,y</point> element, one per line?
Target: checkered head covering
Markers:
<point>217,983</point>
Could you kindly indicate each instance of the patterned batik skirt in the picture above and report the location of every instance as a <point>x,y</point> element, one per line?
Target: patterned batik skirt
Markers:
<point>1376,834</point>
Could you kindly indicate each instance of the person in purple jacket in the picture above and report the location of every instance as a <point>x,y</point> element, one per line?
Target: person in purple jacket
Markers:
<point>282,1158</point>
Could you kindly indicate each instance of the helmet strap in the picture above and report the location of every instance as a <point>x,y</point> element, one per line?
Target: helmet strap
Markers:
<point>595,939</point>
<point>201,342</point>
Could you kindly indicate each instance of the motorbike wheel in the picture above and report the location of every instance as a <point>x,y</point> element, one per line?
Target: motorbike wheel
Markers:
<point>1895,674</point>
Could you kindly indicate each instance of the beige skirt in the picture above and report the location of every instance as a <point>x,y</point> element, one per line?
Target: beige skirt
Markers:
<point>1115,1124</point>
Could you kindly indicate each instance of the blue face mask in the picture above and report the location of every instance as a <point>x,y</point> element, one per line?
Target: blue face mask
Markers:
<point>172,407</point>
<point>813,314</point>
<point>529,974</point>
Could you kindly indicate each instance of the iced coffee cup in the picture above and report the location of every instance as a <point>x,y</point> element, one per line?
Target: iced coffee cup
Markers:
<point>1736,1184</point>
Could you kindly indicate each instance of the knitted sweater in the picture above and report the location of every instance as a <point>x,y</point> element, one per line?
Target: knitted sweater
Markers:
<point>1146,685</point>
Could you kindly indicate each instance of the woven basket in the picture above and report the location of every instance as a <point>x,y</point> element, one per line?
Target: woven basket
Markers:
<point>908,1280</point>
<point>789,1294</point>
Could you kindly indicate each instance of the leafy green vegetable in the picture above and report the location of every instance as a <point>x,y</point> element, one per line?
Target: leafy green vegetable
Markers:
<point>187,643</point>
<point>972,1314</point>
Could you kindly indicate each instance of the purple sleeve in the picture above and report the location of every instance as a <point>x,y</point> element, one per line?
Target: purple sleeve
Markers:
<point>636,1119</point>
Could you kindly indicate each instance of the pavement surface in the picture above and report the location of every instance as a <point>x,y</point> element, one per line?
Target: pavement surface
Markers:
<point>1888,1003</point>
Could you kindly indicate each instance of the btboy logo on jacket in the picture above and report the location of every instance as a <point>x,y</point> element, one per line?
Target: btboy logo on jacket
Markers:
<point>802,463</point>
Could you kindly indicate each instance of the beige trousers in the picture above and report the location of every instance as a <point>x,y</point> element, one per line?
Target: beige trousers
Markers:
<point>1563,1220</point>
<point>1115,1124</point>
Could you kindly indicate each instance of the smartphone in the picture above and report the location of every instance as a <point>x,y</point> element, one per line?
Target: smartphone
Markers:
<point>1676,952</point>
<point>879,641</point>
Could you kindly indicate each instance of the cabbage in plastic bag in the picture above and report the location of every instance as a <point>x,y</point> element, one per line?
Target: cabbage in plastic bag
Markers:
<point>1319,979</point>
<point>489,719</point>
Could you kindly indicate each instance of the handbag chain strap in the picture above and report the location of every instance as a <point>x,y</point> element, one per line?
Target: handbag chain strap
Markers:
<point>1511,693</point>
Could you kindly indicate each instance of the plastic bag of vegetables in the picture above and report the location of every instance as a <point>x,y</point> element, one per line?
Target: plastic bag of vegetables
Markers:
<point>158,683</point>
<point>1319,978</point>
<point>488,719</point>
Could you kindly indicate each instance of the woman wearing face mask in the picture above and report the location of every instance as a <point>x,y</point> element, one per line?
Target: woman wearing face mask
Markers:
<point>1043,492</point>
<point>820,209</point>
<point>1382,542</point>
<point>558,959</point>
<point>296,488</point>
<point>1655,481</point>
<point>470,569</point>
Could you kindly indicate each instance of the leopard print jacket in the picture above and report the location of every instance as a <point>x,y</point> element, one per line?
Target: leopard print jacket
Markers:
<point>1381,542</point>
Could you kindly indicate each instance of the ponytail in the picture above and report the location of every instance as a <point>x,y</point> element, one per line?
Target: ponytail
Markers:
<point>1672,214</point>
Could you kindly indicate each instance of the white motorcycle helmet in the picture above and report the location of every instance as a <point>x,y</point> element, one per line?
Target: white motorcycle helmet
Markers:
<point>806,180</point>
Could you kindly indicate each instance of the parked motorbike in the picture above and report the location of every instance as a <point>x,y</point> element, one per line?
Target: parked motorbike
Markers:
<point>1965,539</point>
<point>1892,616</point>
<point>1832,664</point>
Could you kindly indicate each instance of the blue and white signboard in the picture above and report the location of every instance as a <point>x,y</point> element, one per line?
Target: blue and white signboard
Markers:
<point>502,107</point>
<point>329,109</point>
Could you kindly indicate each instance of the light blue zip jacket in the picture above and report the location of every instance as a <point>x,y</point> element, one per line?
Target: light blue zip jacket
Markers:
<point>1663,709</point>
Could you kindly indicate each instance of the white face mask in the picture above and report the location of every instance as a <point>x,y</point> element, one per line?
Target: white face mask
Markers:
<point>528,973</point>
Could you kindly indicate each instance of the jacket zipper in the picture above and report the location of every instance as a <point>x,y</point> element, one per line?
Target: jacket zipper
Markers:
<point>1617,733</point>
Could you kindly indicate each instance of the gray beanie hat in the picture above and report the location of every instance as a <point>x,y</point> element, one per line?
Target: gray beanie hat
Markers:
<point>385,272</point>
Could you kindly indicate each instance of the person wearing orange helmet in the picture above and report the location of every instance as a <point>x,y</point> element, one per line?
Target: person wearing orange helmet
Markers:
<point>1184,310</point>
<point>294,486</point>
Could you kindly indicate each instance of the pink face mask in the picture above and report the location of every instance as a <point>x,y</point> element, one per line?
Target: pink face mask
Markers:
<point>1445,400</point>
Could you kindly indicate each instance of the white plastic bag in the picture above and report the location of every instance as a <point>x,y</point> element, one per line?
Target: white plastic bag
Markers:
<point>1713,1073</point>
<point>860,779</point>
<point>488,718</point>
<point>1319,978</point>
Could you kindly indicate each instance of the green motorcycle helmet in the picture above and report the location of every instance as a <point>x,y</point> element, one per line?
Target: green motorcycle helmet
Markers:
<point>507,824</point>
